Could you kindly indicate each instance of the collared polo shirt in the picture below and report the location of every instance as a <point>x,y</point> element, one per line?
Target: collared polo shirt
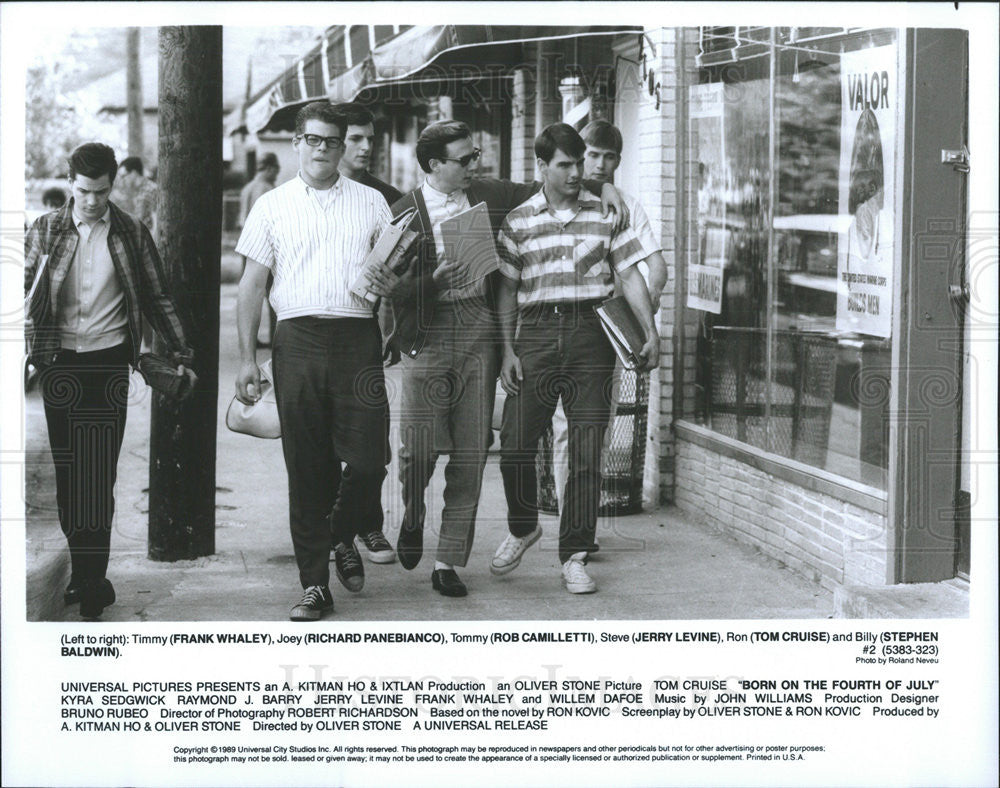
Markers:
<point>314,243</point>
<point>91,302</point>
<point>441,206</point>
<point>557,260</point>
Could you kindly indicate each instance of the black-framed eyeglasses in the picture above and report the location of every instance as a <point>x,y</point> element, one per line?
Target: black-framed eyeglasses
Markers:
<point>313,141</point>
<point>466,160</point>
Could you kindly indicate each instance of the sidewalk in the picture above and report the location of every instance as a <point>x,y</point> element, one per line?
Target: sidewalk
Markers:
<point>653,565</point>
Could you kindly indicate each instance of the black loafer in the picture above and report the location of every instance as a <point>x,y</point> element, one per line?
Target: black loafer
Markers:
<point>94,597</point>
<point>410,547</point>
<point>71,595</point>
<point>446,583</point>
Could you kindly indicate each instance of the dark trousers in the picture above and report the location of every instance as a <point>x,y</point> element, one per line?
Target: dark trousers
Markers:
<point>447,408</point>
<point>562,355</point>
<point>86,396</point>
<point>332,405</point>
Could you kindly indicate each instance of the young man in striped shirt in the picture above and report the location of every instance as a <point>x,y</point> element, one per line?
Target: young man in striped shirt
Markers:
<point>601,160</point>
<point>313,233</point>
<point>557,253</point>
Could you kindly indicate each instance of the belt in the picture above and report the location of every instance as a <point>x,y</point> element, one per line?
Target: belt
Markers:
<point>563,307</point>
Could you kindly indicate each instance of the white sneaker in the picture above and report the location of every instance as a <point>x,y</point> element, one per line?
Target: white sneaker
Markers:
<point>508,554</point>
<point>375,547</point>
<point>575,577</point>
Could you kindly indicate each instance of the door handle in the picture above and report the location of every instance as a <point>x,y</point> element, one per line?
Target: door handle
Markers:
<point>959,293</point>
<point>958,159</point>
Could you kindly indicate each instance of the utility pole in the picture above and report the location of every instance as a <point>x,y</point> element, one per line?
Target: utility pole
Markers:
<point>182,436</point>
<point>133,91</point>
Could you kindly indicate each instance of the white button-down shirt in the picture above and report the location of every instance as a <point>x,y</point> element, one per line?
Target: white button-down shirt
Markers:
<point>315,243</point>
<point>91,304</point>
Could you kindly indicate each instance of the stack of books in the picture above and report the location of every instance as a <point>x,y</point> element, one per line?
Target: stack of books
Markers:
<point>623,329</point>
<point>391,250</point>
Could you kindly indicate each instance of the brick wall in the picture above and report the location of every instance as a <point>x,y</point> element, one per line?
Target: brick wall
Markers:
<point>818,536</point>
<point>660,135</point>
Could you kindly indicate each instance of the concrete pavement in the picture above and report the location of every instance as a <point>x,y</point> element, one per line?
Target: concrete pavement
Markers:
<point>653,565</point>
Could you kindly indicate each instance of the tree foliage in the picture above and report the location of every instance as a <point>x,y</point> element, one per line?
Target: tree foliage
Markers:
<point>51,125</point>
<point>57,116</point>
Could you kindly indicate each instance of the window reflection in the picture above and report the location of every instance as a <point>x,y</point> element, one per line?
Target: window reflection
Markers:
<point>800,368</point>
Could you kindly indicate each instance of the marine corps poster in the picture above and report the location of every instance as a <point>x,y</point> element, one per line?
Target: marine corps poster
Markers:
<point>699,660</point>
<point>869,111</point>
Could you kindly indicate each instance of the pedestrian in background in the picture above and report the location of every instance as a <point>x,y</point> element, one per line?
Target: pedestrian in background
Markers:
<point>135,193</point>
<point>267,174</point>
<point>261,183</point>
<point>53,199</point>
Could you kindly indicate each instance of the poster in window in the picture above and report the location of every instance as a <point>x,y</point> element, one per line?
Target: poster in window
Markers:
<point>867,154</point>
<point>708,175</point>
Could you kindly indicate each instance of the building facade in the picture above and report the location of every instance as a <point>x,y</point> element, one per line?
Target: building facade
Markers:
<point>812,405</point>
<point>809,189</point>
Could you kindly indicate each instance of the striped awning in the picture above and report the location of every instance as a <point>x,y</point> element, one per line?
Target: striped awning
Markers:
<point>352,58</point>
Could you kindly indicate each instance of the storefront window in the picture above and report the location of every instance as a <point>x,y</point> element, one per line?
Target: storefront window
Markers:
<point>793,148</point>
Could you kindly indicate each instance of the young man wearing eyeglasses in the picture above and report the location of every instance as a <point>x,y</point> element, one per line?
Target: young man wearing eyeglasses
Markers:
<point>313,233</point>
<point>448,337</point>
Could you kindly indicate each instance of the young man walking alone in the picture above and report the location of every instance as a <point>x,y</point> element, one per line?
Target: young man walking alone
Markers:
<point>91,273</point>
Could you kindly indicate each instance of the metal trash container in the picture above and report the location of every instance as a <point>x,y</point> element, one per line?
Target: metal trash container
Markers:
<point>624,456</point>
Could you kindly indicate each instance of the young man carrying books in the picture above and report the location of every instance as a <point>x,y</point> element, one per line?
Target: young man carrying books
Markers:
<point>601,160</point>
<point>556,256</point>
<point>446,333</point>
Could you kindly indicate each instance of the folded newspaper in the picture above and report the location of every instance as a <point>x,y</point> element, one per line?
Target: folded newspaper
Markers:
<point>623,329</point>
<point>390,251</point>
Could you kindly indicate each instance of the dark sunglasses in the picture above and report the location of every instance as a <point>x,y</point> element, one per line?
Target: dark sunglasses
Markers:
<point>464,161</point>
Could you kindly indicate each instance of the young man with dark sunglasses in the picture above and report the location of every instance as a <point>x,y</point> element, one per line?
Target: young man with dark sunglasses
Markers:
<point>447,334</point>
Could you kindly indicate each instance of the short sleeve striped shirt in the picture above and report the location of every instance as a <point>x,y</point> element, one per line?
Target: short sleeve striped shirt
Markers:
<point>639,222</point>
<point>556,261</point>
<point>314,247</point>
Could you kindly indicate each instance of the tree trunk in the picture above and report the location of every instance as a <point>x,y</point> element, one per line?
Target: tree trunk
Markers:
<point>133,93</point>
<point>182,436</point>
